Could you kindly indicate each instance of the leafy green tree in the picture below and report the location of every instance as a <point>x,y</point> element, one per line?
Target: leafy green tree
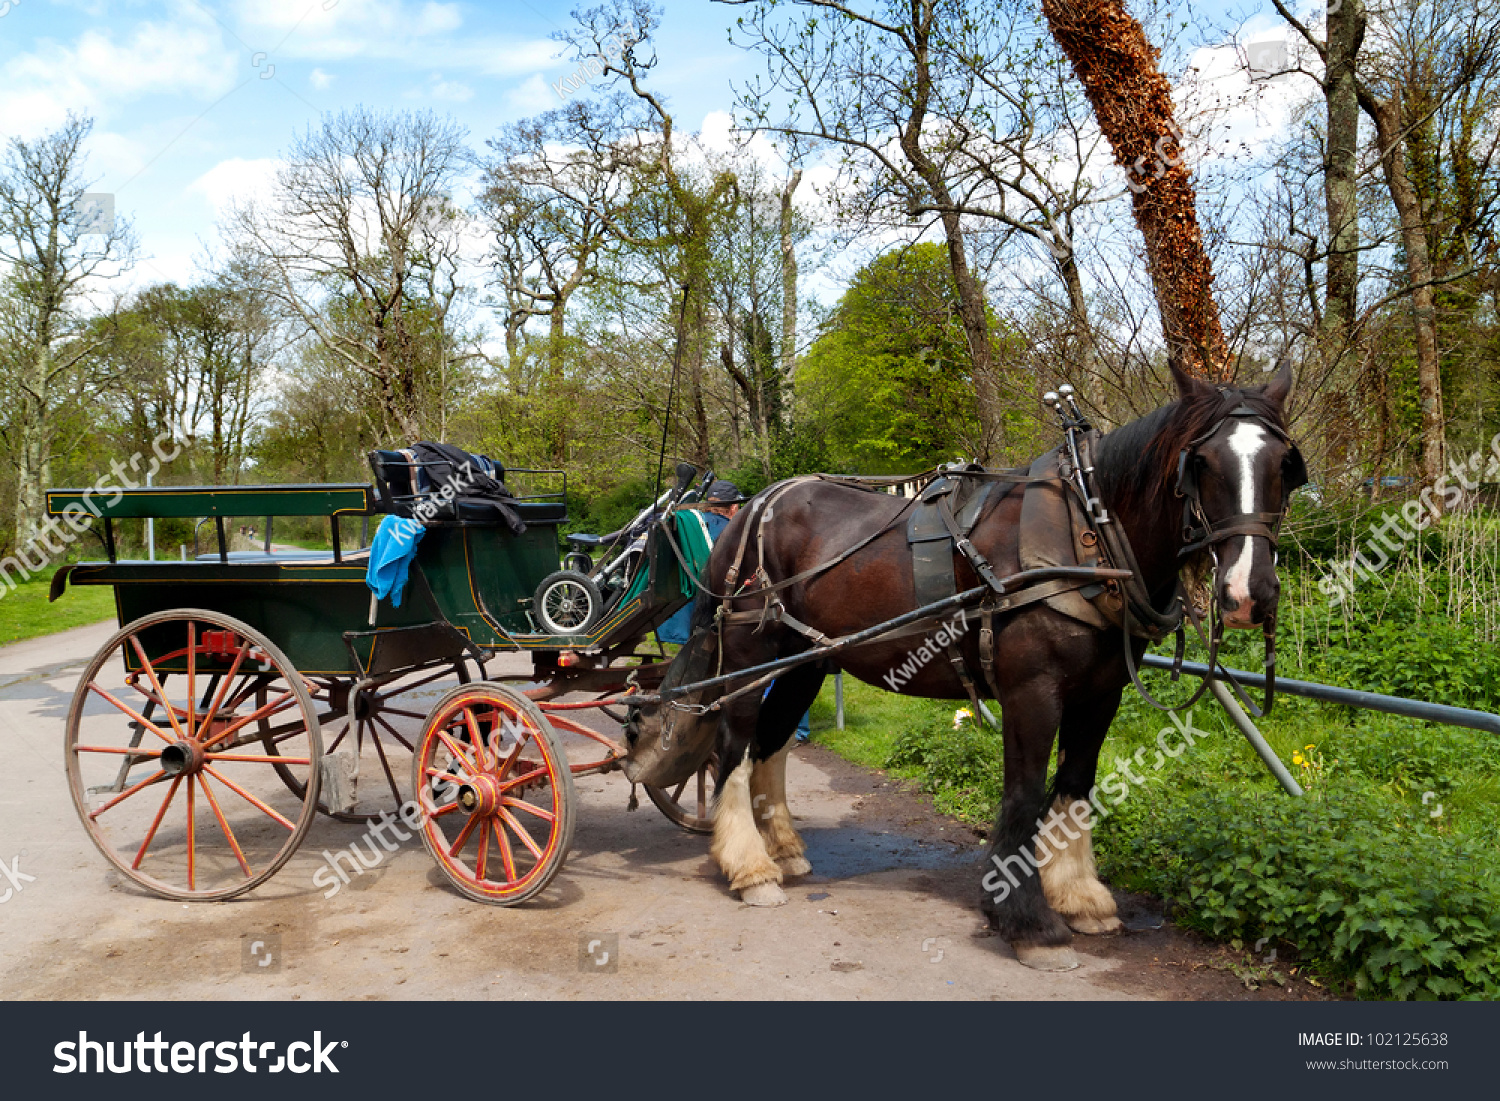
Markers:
<point>888,380</point>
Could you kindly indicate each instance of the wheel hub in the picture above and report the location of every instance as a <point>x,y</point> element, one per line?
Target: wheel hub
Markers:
<point>183,758</point>
<point>480,795</point>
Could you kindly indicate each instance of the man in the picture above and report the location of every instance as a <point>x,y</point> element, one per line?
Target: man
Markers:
<point>720,504</point>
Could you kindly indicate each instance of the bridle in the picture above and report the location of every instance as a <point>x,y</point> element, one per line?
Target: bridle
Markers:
<point>1200,532</point>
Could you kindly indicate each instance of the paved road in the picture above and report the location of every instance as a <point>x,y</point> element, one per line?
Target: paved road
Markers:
<point>887,914</point>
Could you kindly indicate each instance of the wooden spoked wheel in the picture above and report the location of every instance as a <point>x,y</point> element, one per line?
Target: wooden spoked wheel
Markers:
<point>375,722</point>
<point>495,792</point>
<point>690,803</point>
<point>166,756</point>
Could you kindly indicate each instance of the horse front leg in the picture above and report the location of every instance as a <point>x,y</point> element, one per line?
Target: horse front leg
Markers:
<point>1070,878</point>
<point>1013,897</point>
<point>738,846</point>
<point>787,701</point>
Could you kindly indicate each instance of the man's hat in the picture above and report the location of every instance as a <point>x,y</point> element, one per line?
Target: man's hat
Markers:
<point>722,493</point>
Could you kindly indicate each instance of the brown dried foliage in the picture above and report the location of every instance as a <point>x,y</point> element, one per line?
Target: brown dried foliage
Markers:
<point>1117,66</point>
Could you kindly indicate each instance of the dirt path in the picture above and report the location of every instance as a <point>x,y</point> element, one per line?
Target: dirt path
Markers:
<point>889,913</point>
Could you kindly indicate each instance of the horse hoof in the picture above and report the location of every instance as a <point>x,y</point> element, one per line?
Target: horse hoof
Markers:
<point>1043,958</point>
<point>794,865</point>
<point>763,894</point>
<point>1094,927</point>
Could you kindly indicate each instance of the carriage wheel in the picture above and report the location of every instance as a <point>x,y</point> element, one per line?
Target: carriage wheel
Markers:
<point>165,757</point>
<point>495,793</point>
<point>690,803</point>
<point>369,726</point>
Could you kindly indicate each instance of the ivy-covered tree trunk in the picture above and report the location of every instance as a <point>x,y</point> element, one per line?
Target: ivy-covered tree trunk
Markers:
<point>1133,103</point>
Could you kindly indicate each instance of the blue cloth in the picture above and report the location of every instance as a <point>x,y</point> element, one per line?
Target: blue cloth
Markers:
<point>394,547</point>
<point>679,628</point>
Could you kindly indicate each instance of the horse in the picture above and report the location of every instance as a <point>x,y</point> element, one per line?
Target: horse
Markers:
<point>1054,676</point>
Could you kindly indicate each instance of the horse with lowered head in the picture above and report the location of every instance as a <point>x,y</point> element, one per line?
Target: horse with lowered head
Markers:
<point>1054,676</point>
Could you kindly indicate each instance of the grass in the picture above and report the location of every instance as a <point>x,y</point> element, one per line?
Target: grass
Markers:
<point>25,612</point>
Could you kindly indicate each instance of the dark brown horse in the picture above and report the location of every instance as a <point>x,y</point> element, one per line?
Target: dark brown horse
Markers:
<point>1055,676</point>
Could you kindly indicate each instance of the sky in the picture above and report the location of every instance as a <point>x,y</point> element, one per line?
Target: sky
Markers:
<point>195,99</point>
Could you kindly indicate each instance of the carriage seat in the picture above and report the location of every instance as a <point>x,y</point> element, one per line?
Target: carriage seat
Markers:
<point>402,481</point>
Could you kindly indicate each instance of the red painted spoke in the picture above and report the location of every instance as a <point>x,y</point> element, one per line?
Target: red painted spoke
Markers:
<point>152,697</point>
<point>155,822</point>
<point>191,845</point>
<point>514,754</point>
<point>525,779</point>
<point>213,801</point>
<point>520,831</point>
<point>677,795</point>
<point>522,804</point>
<point>140,652</point>
<point>438,812</point>
<point>259,759</point>
<point>245,795</point>
<point>192,670</point>
<point>444,774</point>
<point>507,854</point>
<point>145,754</point>
<point>463,835</point>
<point>476,739</point>
<point>128,792</point>
<point>484,852</point>
<point>281,703</point>
<point>133,713</point>
<point>458,754</point>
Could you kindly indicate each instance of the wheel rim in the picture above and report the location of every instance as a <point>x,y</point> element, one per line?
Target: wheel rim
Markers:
<point>495,794</point>
<point>368,725</point>
<point>696,814</point>
<point>566,606</point>
<point>165,756</point>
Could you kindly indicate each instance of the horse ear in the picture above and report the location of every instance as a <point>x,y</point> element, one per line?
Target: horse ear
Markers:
<point>1280,386</point>
<point>1186,383</point>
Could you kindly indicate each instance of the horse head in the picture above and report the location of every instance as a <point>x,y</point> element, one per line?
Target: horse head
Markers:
<point>1235,474</point>
<point>667,742</point>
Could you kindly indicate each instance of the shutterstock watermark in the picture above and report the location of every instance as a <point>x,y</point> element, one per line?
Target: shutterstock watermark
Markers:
<point>39,550</point>
<point>12,878</point>
<point>1385,539</point>
<point>1081,813</point>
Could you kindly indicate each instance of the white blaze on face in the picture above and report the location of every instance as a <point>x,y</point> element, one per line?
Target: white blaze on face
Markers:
<point>1245,441</point>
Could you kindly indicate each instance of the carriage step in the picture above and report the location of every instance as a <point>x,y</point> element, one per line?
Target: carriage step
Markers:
<point>340,773</point>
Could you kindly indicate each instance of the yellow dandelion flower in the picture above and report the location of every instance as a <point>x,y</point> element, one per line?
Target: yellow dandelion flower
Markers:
<point>1298,759</point>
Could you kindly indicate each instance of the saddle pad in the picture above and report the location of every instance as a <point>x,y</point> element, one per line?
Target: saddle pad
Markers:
<point>931,544</point>
<point>1052,525</point>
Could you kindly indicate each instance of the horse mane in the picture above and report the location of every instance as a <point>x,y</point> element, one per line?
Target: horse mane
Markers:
<point>1139,460</point>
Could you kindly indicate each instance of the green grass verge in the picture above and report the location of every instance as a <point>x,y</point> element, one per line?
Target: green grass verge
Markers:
<point>25,612</point>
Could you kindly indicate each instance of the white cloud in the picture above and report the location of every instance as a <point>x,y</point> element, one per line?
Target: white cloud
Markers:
<point>451,91</point>
<point>319,79</point>
<point>100,74</point>
<point>532,96</point>
<point>235,179</point>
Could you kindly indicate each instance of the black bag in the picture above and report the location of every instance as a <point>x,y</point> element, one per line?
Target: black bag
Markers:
<point>456,485</point>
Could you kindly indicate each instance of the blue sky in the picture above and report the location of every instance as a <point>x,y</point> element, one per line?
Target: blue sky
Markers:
<point>194,99</point>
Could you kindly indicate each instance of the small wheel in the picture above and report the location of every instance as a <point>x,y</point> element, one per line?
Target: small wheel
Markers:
<point>567,602</point>
<point>368,718</point>
<point>175,787</point>
<point>697,815</point>
<point>579,561</point>
<point>495,794</point>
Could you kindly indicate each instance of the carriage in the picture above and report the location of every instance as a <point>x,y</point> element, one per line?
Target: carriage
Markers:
<point>249,690</point>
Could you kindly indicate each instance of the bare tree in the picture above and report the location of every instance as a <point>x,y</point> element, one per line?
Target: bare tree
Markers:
<point>50,352</point>
<point>364,246</point>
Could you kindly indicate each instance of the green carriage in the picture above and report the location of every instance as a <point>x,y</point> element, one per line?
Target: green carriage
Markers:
<point>248,690</point>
